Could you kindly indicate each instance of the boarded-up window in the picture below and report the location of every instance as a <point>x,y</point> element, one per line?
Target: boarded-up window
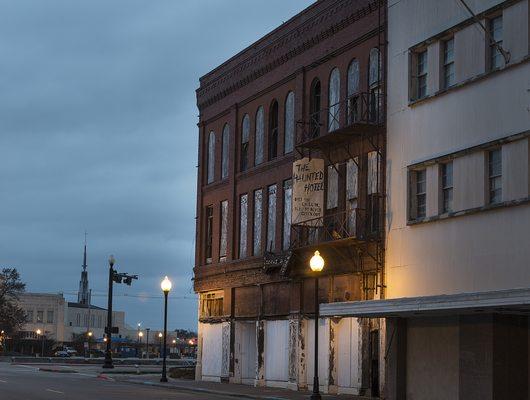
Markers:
<point>243,214</point>
<point>346,288</point>
<point>352,176</point>
<point>225,149</point>
<point>211,157</point>
<point>271,219</point>
<point>258,217</point>
<point>273,130</point>
<point>354,103</point>
<point>374,172</point>
<point>209,233</point>
<point>247,301</point>
<point>276,299</point>
<point>224,230</point>
<point>333,187</point>
<point>289,123</point>
<point>334,98</point>
<point>287,200</point>
<point>211,305</point>
<point>259,136</point>
<point>245,134</point>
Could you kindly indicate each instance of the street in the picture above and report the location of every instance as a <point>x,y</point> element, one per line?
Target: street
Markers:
<point>26,382</point>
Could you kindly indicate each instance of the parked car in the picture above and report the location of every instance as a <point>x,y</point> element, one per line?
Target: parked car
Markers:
<point>61,353</point>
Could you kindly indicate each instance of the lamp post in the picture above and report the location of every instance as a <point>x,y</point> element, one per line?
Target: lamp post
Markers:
<point>317,265</point>
<point>89,334</point>
<point>41,334</point>
<point>160,346</point>
<point>166,287</point>
<point>140,335</point>
<point>108,330</point>
<point>147,342</point>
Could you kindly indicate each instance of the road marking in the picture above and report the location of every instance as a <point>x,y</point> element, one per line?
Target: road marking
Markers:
<point>54,391</point>
<point>1,381</point>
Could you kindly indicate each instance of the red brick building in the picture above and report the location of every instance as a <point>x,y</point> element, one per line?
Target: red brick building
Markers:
<point>312,89</point>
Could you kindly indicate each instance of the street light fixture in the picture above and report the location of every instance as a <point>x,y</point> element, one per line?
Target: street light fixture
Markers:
<point>316,263</point>
<point>41,334</point>
<point>140,336</point>
<point>166,287</point>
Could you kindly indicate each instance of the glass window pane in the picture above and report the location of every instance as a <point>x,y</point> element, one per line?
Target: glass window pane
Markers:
<point>224,230</point>
<point>287,197</point>
<point>243,212</point>
<point>258,216</point>
<point>271,219</point>
<point>211,157</point>
<point>374,72</point>
<point>289,123</point>
<point>260,131</point>
<point>333,186</point>
<point>334,98</point>
<point>225,151</point>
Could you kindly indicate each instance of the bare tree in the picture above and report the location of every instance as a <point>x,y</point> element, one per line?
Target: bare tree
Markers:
<point>12,316</point>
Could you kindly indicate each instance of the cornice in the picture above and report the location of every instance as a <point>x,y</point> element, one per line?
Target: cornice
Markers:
<point>321,27</point>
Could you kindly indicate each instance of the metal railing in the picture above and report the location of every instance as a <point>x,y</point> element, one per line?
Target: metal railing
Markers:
<point>362,108</point>
<point>341,225</point>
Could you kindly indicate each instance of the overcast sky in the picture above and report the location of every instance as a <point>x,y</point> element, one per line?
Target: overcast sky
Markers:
<point>98,132</point>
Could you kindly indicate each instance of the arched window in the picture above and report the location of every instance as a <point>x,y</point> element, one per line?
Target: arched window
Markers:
<point>224,153</point>
<point>289,123</point>
<point>259,138</point>
<point>273,130</point>
<point>354,103</point>
<point>245,134</point>
<point>334,98</point>
<point>211,157</point>
<point>374,84</point>
<point>314,109</point>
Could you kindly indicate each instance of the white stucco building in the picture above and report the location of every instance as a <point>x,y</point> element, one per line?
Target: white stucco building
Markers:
<point>458,206</point>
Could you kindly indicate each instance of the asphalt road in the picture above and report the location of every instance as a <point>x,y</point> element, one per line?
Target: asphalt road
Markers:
<point>26,382</point>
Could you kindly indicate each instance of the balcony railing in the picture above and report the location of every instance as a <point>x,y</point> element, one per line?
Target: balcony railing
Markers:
<point>363,109</point>
<point>332,227</point>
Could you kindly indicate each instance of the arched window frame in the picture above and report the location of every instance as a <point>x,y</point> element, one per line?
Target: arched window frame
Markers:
<point>334,100</point>
<point>225,149</point>
<point>273,129</point>
<point>259,136</point>
<point>210,163</point>
<point>245,137</point>
<point>289,128</point>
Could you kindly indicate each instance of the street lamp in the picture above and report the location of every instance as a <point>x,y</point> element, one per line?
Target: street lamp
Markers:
<point>317,265</point>
<point>140,336</point>
<point>89,334</point>
<point>160,343</point>
<point>41,334</point>
<point>166,287</point>
<point>108,330</point>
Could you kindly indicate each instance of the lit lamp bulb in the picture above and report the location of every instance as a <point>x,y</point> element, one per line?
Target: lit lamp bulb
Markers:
<point>166,285</point>
<point>89,334</point>
<point>140,334</point>
<point>159,334</point>
<point>317,262</point>
<point>39,331</point>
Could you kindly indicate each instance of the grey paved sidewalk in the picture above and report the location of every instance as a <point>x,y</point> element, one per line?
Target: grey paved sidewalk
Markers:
<point>231,389</point>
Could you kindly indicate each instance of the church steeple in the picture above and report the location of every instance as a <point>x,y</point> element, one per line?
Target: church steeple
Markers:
<point>83,295</point>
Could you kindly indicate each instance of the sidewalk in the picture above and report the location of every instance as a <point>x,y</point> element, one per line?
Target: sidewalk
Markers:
<point>232,390</point>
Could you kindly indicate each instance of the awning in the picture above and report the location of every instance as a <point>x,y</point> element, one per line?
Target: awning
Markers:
<point>500,301</point>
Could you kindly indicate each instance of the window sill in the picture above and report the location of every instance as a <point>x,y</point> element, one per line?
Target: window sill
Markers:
<point>470,211</point>
<point>266,165</point>
<point>469,81</point>
<point>215,185</point>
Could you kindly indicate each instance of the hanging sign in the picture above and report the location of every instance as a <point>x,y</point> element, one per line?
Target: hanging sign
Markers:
<point>308,191</point>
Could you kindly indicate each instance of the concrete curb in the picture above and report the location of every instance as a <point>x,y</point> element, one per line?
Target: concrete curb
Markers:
<point>207,391</point>
<point>59,370</point>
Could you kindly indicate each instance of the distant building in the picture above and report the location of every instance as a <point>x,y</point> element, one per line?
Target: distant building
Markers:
<point>60,320</point>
